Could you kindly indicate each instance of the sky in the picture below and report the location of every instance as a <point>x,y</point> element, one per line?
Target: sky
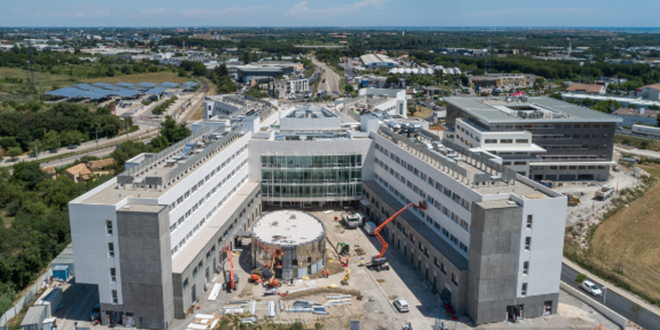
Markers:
<point>303,13</point>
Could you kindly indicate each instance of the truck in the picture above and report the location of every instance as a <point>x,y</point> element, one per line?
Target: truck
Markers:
<point>605,192</point>
<point>370,227</point>
<point>355,220</point>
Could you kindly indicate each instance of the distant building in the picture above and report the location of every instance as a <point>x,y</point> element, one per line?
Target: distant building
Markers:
<point>650,92</point>
<point>586,88</point>
<point>50,171</point>
<point>503,79</point>
<point>100,167</point>
<point>79,173</point>
<point>377,61</point>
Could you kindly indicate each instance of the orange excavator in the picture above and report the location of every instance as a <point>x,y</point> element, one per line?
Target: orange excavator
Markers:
<point>230,281</point>
<point>378,262</point>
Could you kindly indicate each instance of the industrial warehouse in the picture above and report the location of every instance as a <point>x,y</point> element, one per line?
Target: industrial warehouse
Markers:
<point>485,238</point>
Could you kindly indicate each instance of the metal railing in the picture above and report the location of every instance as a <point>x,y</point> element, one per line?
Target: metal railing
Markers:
<point>164,154</point>
<point>211,149</point>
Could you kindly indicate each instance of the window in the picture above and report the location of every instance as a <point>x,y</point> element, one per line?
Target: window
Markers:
<point>523,292</point>
<point>185,283</point>
<point>454,279</point>
<point>172,227</point>
<point>114,297</point>
<point>194,272</point>
<point>526,268</point>
<point>528,243</point>
<point>111,249</point>
<point>529,221</point>
<point>490,141</point>
<point>443,268</point>
<point>108,225</point>
<point>113,274</point>
<point>522,141</point>
<point>435,262</point>
<point>506,141</point>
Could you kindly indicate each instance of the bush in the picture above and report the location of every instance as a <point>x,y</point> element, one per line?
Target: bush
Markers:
<point>580,278</point>
<point>12,209</point>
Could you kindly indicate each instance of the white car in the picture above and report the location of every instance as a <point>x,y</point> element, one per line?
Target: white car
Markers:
<point>401,305</point>
<point>591,288</point>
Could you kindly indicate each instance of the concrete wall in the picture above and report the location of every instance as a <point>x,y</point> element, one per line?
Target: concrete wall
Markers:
<point>494,253</point>
<point>90,246</point>
<point>146,267</point>
<point>610,314</point>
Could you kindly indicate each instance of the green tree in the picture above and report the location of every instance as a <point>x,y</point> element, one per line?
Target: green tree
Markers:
<point>183,73</point>
<point>29,173</point>
<point>9,142</point>
<point>393,80</point>
<point>51,140</point>
<point>580,278</point>
<point>172,131</point>
<point>14,152</point>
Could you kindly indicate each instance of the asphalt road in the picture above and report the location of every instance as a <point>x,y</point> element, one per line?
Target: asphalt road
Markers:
<point>615,302</point>
<point>100,153</point>
<point>331,84</point>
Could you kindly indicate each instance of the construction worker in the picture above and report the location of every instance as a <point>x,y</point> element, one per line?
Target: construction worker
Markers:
<point>347,259</point>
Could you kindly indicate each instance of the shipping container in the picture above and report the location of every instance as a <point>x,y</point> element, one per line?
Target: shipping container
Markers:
<point>61,272</point>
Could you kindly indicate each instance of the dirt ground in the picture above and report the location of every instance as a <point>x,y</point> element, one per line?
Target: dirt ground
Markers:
<point>628,241</point>
<point>586,191</point>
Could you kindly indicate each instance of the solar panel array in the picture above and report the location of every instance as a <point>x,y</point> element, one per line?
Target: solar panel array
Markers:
<point>100,90</point>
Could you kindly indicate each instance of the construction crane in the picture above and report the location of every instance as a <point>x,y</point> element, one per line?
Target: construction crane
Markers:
<point>379,260</point>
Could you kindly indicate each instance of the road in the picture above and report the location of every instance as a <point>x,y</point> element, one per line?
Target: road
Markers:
<point>100,153</point>
<point>615,302</point>
<point>331,84</point>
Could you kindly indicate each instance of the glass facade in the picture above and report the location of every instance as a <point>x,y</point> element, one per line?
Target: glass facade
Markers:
<point>297,176</point>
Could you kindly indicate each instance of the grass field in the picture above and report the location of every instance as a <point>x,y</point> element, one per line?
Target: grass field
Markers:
<point>44,81</point>
<point>628,241</point>
<point>422,112</point>
<point>152,77</point>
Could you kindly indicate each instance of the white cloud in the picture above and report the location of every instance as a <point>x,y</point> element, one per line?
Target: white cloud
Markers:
<point>152,11</point>
<point>303,11</point>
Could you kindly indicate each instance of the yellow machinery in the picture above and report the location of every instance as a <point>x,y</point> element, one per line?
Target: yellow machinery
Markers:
<point>347,276</point>
<point>573,200</point>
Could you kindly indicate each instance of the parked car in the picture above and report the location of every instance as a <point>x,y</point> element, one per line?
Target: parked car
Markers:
<point>401,305</point>
<point>96,312</point>
<point>591,288</point>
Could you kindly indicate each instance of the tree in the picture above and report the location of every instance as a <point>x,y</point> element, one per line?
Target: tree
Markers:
<point>28,172</point>
<point>173,132</point>
<point>654,107</point>
<point>411,108</point>
<point>183,73</point>
<point>51,140</point>
<point>9,142</point>
<point>633,106</point>
<point>14,152</point>
<point>580,278</point>
<point>393,80</point>
<point>635,310</point>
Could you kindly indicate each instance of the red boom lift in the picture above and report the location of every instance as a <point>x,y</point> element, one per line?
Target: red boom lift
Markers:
<point>230,283</point>
<point>379,261</point>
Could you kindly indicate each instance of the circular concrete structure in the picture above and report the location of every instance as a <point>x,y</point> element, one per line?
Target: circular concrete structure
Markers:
<point>289,242</point>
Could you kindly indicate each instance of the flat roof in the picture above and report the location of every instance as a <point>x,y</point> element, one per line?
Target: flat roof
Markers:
<point>440,244</point>
<point>288,228</point>
<point>498,110</point>
<point>66,257</point>
<point>197,243</point>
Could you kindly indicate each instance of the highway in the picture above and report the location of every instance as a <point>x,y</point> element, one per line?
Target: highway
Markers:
<point>615,302</point>
<point>331,84</point>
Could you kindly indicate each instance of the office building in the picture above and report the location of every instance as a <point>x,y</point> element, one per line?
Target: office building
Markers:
<point>538,137</point>
<point>490,241</point>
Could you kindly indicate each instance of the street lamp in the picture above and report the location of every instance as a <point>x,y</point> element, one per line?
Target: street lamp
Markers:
<point>36,151</point>
<point>604,288</point>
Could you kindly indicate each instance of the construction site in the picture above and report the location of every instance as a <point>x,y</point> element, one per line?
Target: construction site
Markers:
<point>339,281</point>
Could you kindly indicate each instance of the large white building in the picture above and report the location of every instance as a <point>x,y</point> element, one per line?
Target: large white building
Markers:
<point>151,238</point>
<point>378,61</point>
